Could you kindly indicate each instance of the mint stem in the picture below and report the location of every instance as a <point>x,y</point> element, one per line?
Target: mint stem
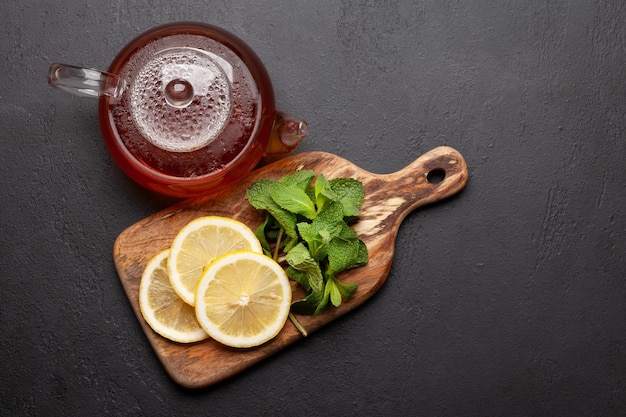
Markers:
<point>296,323</point>
<point>277,248</point>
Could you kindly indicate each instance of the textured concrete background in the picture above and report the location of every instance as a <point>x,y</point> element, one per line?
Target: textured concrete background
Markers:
<point>508,300</point>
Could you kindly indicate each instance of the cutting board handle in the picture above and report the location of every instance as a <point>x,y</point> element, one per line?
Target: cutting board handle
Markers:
<point>437,174</point>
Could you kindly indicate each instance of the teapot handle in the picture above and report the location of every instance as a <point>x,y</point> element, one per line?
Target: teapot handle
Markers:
<point>85,82</point>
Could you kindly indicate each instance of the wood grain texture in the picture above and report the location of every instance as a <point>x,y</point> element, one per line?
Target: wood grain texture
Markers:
<point>388,199</point>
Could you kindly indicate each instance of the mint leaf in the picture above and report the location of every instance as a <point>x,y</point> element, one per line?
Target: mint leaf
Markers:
<point>286,220</point>
<point>301,260</point>
<point>346,290</point>
<point>350,193</point>
<point>317,243</point>
<point>310,304</point>
<point>333,292</point>
<point>346,232</point>
<point>299,276</point>
<point>318,234</point>
<point>259,194</point>
<point>299,179</point>
<point>292,199</point>
<point>342,254</point>
<point>322,301</point>
<point>363,256</point>
<point>260,198</point>
<point>306,271</point>
<point>323,193</point>
<point>330,218</point>
<point>261,234</point>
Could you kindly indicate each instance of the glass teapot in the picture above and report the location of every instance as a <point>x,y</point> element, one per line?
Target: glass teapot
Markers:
<point>185,109</point>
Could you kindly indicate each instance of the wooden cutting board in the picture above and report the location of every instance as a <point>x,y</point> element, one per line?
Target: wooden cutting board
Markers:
<point>388,199</point>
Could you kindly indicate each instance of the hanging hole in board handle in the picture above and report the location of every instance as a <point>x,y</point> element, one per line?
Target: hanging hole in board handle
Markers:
<point>436,175</point>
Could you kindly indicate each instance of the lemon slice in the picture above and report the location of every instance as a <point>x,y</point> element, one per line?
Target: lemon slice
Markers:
<point>162,308</point>
<point>198,243</point>
<point>243,299</point>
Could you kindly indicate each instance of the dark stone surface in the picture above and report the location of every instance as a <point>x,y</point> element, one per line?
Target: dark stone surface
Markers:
<point>508,300</point>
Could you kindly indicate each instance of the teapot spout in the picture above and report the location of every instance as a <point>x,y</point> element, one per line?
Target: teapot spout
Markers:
<point>287,133</point>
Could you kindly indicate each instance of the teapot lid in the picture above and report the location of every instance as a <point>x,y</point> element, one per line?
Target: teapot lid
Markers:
<point>179,97</point>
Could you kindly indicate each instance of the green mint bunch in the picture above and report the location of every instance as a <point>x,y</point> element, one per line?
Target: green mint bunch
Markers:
<point>307,225</point>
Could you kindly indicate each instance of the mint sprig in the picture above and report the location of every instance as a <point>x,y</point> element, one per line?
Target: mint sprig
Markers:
<point>307,225</point>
